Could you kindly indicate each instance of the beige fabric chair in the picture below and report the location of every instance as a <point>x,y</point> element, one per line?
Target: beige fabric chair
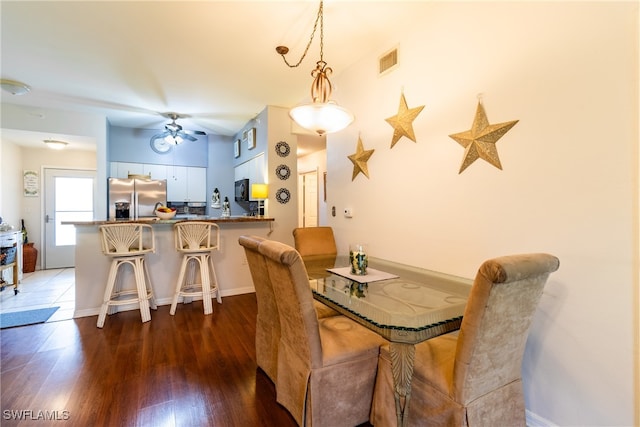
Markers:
<point>473,378</point>
<point>317,247</point>
<point>314,241</point>
<point>326,367</point>
<point>267,320</point>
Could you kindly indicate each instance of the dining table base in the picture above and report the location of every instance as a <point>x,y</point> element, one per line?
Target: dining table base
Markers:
<point>402,359</point>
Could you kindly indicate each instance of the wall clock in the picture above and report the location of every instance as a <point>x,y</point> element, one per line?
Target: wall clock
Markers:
<point>160,146</point>
<point>283,149</point>
<point>283,195</point>
<point>283,172</point>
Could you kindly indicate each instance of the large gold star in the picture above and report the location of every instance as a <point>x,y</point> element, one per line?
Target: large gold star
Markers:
<point>359,160</point>
<point>403,121</point>
<point>480,141</point>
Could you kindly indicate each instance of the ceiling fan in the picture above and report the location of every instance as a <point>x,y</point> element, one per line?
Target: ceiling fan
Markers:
<point>173,134</point>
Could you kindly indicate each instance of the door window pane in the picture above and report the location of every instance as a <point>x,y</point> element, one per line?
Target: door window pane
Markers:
<point>74,202</point>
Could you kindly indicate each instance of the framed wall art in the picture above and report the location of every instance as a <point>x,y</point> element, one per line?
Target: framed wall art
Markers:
<point>31,183</point>
<point>251,138</point>
<point>236,149</point>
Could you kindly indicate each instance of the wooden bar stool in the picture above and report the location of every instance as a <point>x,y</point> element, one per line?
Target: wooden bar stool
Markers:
<point>195,240</point>
<point>127,244</point>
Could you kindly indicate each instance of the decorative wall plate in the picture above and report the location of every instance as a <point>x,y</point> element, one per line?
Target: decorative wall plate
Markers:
<point>283,149</point>
<point>283,172</point>
<point>283,196</point>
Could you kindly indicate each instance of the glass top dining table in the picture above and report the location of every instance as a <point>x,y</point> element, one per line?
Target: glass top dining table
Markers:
<point>405,305</point>
<point>399,302</point>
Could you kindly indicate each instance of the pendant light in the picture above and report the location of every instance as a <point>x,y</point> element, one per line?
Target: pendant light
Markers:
<point>322,115</point>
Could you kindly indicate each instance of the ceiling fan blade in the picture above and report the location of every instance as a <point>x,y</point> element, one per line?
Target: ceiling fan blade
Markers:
<point>185,135</point>
<point>194,132</point>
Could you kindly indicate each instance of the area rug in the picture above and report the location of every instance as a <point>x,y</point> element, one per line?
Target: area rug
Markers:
<point>29,317</point>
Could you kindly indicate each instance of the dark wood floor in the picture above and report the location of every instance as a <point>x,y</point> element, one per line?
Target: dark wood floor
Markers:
<point>182,370</point>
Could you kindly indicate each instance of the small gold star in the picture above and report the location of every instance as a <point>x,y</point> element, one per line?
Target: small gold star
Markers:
<point>359,160</point>
<point>480,140</point>
<point>402,122</point>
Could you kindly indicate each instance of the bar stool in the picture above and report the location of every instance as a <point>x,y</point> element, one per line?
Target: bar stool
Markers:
<point>195,240</point>
<point>127,244</point>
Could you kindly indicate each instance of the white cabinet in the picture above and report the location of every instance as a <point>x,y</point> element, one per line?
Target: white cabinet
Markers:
<point>155,171</point>
<point>197,184</point>
<point>186,184</point>
<point>122,169</point>
<point>253,169</point>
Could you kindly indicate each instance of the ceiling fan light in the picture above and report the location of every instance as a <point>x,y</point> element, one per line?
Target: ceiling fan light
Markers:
<point>178,140</point>
<point>322,117</point>
<point>55,144</point>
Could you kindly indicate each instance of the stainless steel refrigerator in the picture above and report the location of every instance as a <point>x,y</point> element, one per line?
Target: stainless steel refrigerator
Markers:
<point>135,198</point>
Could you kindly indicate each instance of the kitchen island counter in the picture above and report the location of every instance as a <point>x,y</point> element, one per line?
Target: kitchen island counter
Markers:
<point>92,267</point>
<point>156,220</point>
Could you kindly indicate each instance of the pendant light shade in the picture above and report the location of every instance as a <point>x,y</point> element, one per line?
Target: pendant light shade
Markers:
<point>322,115</point>
<point>321,118</point>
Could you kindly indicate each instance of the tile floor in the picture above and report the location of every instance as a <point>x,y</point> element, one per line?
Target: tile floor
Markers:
<point>40,289</point>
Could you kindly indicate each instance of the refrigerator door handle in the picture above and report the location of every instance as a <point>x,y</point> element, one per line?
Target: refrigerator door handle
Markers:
<point>137,209</point>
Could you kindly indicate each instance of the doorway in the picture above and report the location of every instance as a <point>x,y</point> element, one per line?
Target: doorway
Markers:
<point>69,195</point>
<point>308,182</point>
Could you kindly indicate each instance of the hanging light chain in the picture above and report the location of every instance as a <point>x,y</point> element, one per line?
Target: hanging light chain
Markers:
<point>283,50</point>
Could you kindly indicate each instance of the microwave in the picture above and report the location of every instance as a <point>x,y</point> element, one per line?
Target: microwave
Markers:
<point>242,190</point>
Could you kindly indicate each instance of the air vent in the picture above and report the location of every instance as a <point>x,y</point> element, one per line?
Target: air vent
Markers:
<point>388,61</point>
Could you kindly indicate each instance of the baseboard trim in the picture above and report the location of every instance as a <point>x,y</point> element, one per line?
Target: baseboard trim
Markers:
<point>162,301</point>
<point>535,420</point>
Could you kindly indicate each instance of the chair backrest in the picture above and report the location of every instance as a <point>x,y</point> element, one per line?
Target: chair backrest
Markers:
<point>298,321</point>
<point>196,236</point>
<point>496,322</point>
<point>267,320</point>
<point>314,241</point>
<point>126,239</point>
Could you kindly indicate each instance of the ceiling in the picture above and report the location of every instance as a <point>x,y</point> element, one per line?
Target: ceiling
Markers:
<point>214,61</point>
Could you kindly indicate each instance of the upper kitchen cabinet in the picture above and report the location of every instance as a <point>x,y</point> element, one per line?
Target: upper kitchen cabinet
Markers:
<point>123,169</point>
<point>155,171</point>
<point>253,169</point>
<point>186,184</point>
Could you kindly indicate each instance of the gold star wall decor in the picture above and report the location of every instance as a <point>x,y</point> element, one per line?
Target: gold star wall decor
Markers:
<point>359,160</point>
<point>480,140</point>
<point>402,122</point>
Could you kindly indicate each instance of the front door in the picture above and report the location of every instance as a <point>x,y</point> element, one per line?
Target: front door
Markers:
<point>69,196</point>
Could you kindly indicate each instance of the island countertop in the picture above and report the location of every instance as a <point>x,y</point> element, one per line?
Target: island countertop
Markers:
<point>155,220</point>
<point>92,266</point>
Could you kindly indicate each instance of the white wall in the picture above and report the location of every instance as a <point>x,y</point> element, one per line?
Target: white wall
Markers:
<point>10,183</point>
<point>568,71</point>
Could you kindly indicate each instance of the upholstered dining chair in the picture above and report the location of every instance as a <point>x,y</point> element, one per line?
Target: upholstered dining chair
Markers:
<point>473,378</point>
<point>314,241</point>
<point>326,367</point>
<point>267,319</point>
